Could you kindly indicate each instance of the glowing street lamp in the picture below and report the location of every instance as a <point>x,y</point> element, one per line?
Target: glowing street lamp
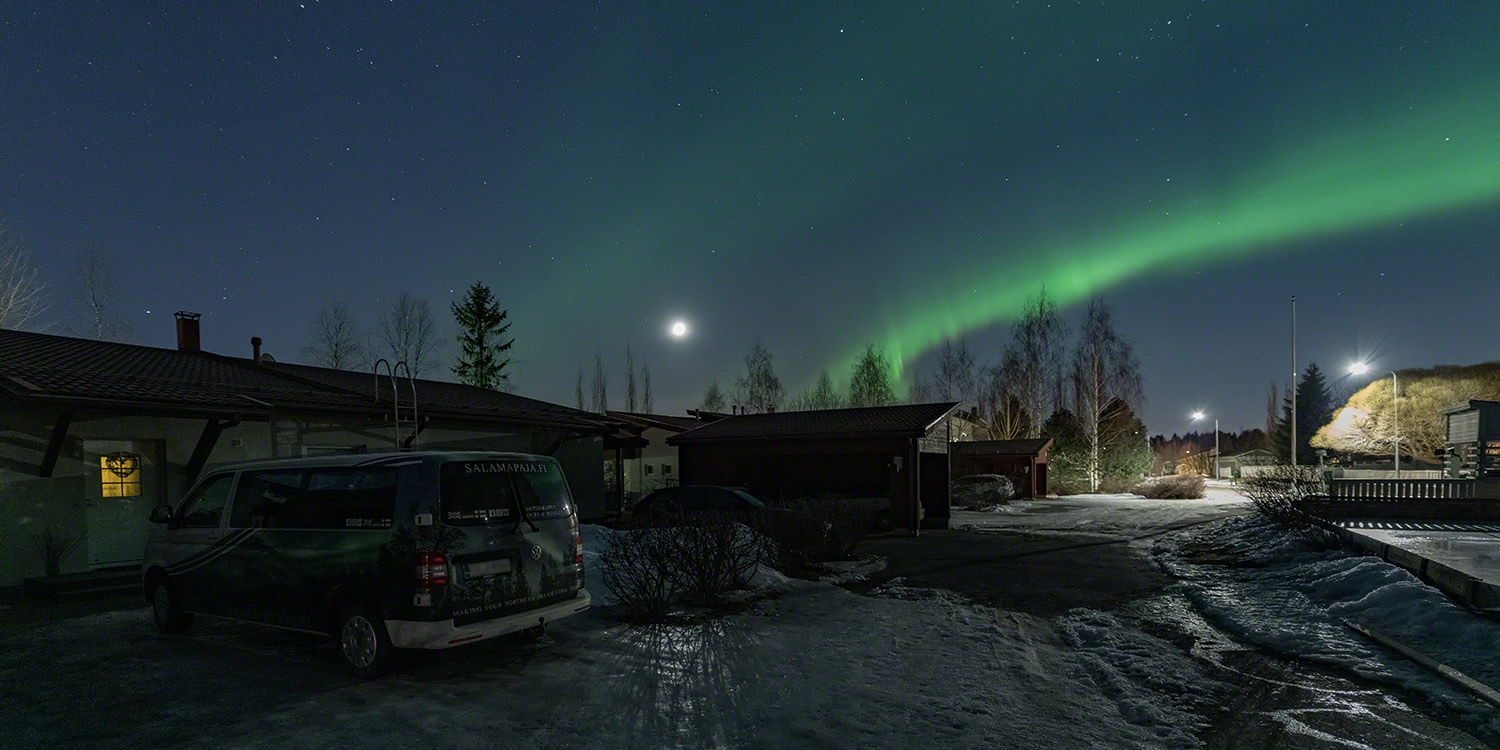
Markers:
<point>1197,415</point>
<point>1360,368</point>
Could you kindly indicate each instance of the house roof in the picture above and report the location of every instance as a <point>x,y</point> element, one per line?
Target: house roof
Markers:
<point>82,373</point>
<point>1020,447</point>
<point>664,421</point>
<point>912,420</point>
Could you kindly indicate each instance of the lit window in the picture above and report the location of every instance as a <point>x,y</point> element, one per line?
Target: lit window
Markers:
<point>120,474</point>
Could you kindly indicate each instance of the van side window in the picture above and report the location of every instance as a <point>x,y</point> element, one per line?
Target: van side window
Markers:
<point>352,498</point>
<point>206,506</point>
<point>268,499</point>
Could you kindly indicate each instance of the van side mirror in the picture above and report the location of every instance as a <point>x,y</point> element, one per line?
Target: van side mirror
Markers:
<point>161,514</point>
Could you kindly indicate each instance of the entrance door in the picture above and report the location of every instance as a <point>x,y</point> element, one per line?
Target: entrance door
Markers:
<point>125,480</point>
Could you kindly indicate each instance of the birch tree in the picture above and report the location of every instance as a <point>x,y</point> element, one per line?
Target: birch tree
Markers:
<point>1106,381</point>
<point>22,300</point>
<point>407,330</point>
<point>335,341</point>
<point>1032,364</point>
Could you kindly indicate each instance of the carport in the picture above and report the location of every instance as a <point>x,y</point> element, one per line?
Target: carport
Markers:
<point>895,452</point>
<point>1024,461</point>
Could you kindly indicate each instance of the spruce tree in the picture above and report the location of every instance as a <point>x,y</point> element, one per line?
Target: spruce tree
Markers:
<point>1314,409</point>
<point>481,333</point>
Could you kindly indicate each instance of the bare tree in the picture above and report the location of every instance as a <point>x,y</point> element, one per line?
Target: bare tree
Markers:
<point>335,339</point>
<point>96,281</point>
<point>870,380</point>
<point>1032,364</point>
<point>1273,411</point>
<point>578,391</point>
<point>22,301</point>
<point>645,386</point>
<point>956,379</point>
<point>629,379</point>
<point>823,395</point>
<point>920,391</point>
<point>407,330</point>
<point>601,385</point>
<point>758,389</point>
<point>713,399</point>
<point>999,408</point>
<point>1106,382</point>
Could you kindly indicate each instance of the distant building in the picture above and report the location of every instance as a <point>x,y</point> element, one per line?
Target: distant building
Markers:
<point>1473,444</point>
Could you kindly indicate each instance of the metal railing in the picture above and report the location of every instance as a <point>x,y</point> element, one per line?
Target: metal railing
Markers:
<point>1384,490</point>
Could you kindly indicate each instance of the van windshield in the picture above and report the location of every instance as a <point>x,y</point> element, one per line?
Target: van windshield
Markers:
<point>477,493</point>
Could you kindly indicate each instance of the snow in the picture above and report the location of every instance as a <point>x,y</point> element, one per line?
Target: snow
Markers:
<point>804,664</point>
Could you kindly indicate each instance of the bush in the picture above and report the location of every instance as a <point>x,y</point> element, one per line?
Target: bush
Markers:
<point>711,555</point>
<point>1180,487</point>
<point>804,533</point>
<point>637,566</point>
<point>1277,493</point>
<point>693,559</point>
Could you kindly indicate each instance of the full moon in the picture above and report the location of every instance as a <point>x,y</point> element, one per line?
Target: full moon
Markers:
<point>679,329</point>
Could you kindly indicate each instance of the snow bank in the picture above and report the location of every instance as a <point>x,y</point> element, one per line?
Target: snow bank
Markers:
<point>1272,589</point>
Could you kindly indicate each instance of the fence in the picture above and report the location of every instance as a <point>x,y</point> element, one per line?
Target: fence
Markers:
<point>1400,489</point>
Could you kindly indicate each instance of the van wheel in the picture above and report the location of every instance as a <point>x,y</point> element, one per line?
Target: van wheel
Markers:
<point>166,609</point>
<point>364,644</point>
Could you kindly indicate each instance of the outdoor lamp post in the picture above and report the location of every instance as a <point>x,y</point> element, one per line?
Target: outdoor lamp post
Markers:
<point>1199,415</point>
<point>1360,368</point>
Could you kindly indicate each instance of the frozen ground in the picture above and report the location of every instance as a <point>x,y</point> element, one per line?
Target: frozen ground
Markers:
<point>814,665</point>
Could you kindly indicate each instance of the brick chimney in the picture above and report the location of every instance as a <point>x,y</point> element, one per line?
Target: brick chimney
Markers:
<point>187,331</point>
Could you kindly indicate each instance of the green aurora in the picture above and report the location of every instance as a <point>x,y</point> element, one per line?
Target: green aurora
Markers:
<point>1435,160</point>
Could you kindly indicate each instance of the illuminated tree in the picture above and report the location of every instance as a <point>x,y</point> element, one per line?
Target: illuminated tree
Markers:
<point>1367,422</point>
<point>481,330</point>
<point>1000,410</point>
<point>870,380</point>
<point>335,339</point>
<point>1106,381</point>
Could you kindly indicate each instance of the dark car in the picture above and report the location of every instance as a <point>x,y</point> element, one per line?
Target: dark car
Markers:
<point>697,499</point>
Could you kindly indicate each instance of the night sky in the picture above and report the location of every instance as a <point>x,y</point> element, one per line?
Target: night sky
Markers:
<point>813,175</point>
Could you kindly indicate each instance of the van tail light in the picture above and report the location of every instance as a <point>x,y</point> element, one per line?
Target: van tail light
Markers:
<point>432,571</point>
<point>577,538</point>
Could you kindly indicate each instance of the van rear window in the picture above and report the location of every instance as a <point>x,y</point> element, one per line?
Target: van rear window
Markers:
<point>476,493</point>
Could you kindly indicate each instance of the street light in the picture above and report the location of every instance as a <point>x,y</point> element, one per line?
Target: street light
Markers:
<point>1199,415</point>
<point>1360,368</point>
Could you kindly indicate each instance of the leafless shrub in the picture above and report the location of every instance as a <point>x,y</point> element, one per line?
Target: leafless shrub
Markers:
<point>55,546</point>
<point>1278,493</point>
<point>808,532</point>
<point>1177,487</point>
<point>637,566</point>
<point>712,554</point>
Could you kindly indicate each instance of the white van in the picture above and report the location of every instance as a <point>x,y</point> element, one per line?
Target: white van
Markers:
<point>401,550</point>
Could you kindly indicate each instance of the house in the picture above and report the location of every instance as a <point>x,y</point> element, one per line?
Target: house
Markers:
<point>1023,460</point>
<point>1245,463</point>
<point>96,433</point>
<point>894,452</point>
<point>639,460</point>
